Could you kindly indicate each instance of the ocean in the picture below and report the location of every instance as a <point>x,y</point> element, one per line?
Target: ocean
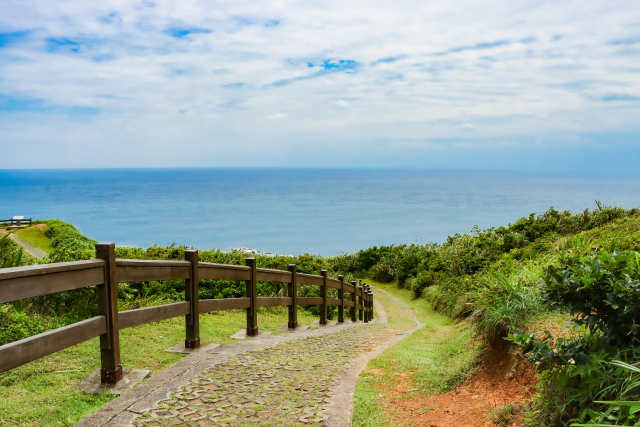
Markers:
<point>293,211</point>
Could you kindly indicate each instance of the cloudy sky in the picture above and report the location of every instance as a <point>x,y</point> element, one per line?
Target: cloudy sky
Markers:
<point>533,85</point>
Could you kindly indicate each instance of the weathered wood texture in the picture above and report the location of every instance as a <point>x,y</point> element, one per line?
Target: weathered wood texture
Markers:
<point>309,279</point>
<point>333,283</point>
<point>20,352</point>
<point>207,305</point>
<point>252,294</point>
<point>354,301</point>
<point>323,294</point>
<point>191,296</point>
<point>341,298</point>
<point>209,270</point>
<point>292,290</point>
<point>35,280</point>
<point>139,316</point>
<point>129,270</point>
<point>110,367</point>
<point>268,275</point>
<point>24,282</point>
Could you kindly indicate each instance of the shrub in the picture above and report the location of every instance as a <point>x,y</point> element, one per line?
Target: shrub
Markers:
<point>423,280</point>
<point>503,305</point>
<point>68,243</point>
<point>10,254</point>
<point>16,325</point>
<point>602,292</point>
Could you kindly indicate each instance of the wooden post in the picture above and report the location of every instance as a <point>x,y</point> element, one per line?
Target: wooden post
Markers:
<point>370,304</point>
<point>293,293</point>
<point>354,301</point>
<point>252,294</point>
<point>191,291</point>
<point>111,369</point>
<point>323,292</point>
<point>360,306</point>
<point>367,290</point>
<point>365,306</point>
<point>341,298</point>
<point>365,302</point>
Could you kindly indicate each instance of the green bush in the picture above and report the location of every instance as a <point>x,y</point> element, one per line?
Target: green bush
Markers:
<point>423,280</point>
<point>569,393</point>
<point>68,243</point>
<point>602,292</point>
<point>16,325</point>
<point>10,254</point>
<point>503,305</point>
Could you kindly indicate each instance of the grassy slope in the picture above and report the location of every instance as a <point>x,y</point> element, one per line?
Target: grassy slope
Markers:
<point>435,358</point>
<point>45,392</point>
<point>432,355</point>
<point>36,237</point>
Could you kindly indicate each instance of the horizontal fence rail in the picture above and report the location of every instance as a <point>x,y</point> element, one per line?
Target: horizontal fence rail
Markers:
<point>107,271</point>
<point>16,221</point>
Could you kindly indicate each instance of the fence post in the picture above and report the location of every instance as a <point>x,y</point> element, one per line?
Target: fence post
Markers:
<point>252,294</point>
<point>365,305</point>
<point>371,304</point>
<point>367,294</point>
<point>323,292</point>
<point>293,293</point>
<point>360,303</point>
<point>341,298</point>
<point>111,369</point>
<point>192,290</point>
<point>354,301</point>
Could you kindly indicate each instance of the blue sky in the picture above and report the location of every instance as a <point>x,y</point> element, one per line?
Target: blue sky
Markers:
<point>525,85</point>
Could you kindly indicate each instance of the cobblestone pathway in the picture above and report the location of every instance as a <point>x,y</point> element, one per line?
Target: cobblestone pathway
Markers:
<point>288,384</point>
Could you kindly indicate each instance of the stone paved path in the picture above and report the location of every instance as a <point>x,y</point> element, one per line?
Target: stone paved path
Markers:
<point>289,379</point>
<point>287,384</point>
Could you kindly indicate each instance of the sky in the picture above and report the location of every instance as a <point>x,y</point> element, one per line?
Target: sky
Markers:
<point>514,85</point>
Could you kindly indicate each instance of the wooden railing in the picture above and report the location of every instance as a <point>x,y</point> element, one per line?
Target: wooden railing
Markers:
<point>107,271</point>
<point>16,221</point>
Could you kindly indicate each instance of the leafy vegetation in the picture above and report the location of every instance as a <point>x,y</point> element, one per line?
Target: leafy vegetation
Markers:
<point>68,243</point>
<point>500,279</point>
<point>37,237</point>
<point>10,254</point>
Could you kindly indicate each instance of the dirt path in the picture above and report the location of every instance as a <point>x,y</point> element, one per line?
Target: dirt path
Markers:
<point>288,379</point>
<point>26,246</point>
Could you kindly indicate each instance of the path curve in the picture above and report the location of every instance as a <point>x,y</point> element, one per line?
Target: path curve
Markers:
<point>296,378</point>
<point>26,246</point>
<point>340,407</point>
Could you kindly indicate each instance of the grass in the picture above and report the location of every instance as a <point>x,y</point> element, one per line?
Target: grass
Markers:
<point>36,237</point>
<point>45,391</point>
<point>433,359</point>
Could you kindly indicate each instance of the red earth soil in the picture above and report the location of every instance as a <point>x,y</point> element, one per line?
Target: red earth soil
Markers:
<point>502,378</point>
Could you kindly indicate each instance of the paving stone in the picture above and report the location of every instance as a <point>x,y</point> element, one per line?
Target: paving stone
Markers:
<point>290,383</point>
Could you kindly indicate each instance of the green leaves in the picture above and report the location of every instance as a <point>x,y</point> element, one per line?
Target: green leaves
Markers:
<point>602,292</point>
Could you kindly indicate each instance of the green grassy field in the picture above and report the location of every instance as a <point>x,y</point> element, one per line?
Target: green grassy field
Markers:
<point>36,237</point>
<point>436,357</point>
<point>45,392</point>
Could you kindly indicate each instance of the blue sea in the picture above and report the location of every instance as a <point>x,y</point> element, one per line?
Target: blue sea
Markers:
<point>292,211</point>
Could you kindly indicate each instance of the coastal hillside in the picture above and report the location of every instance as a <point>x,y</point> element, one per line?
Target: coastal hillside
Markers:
<point>551,297</point>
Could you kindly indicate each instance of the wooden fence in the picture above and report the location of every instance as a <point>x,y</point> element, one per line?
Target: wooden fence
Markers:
<point>16,221</point>
<point>106,272</point>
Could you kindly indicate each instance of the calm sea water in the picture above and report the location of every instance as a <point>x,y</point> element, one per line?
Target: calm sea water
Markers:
<point>293,211</point>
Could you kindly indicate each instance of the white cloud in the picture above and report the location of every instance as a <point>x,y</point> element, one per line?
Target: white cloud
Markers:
<point>424,70</point>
